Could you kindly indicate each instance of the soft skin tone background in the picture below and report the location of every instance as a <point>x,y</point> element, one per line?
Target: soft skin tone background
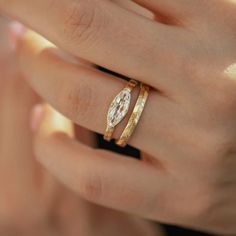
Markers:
<point>32,202</point>
<point>188,56</point>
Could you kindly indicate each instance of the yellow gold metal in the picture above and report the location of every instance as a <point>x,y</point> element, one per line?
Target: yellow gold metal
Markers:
<point>108,133</point>
<point>118,107</point>
<point>135,117</point>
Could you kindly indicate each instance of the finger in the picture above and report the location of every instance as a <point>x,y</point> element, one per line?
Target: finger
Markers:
<point>84,94</point>
<point>17,163</point>
<point>132,6</point>
<point>14,112</point>
<point>105,34</point>
<point>14,116</point>
<point>176,11</point>
<point>98,176</point>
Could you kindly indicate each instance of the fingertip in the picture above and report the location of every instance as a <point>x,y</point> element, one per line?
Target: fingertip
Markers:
<point>15,31</point>
<point>36,117</point>
<point>48,127</point>
<point>45,122</point>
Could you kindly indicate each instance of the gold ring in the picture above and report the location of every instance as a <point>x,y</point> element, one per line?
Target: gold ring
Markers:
<point>119,109</point>
<point>135,117</point>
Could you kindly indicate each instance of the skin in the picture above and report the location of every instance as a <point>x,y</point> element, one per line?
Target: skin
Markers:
<point>187,133</point>
<point>32,201</point>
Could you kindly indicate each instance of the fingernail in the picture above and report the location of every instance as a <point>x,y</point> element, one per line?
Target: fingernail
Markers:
<point>36,117</point>
<point>16,30</point>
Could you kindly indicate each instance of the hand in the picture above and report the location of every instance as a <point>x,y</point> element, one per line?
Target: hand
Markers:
<point>188,127</point>
<point>32,202</point>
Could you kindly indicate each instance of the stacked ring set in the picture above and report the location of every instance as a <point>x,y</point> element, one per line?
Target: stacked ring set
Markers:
<point>119,109</point>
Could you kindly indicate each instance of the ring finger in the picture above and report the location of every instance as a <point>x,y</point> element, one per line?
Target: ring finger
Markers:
<point>84,94</point>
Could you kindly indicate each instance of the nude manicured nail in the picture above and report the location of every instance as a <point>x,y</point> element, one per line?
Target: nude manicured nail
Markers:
<point>36,117</point>
<point>16,30</point>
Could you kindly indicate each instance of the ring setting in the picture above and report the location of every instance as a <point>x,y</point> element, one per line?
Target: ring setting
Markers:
<point>119,109</point>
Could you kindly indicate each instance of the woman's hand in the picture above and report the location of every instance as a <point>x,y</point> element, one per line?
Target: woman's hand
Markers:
<point>32,202</point>
<point>188,128</point>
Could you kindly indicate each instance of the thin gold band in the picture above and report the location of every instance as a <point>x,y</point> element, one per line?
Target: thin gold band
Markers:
<point>135,117</point>
<point>119,109</point>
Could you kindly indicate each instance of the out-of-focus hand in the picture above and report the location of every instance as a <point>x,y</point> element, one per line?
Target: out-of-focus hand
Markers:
<point>32,202</point>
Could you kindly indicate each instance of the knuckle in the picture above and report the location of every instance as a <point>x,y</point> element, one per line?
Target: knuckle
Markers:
<point>92,187</point>
<point>203,203</point>
<point>215,216</point>
<point>224,98</point>
<point>214,149</point>
<point>219,115</point>
<point>193,214</point>
<point>82,21</point>
<point>189,67</point>
<point>184,211</point>
<point>77,102</point>
<point>220,221</point>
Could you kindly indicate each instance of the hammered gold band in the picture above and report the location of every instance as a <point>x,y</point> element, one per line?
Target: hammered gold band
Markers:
<point>119,109</point>
<point>135,117</point>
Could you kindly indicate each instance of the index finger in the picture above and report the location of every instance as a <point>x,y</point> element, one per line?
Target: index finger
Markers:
<point>102,33</point>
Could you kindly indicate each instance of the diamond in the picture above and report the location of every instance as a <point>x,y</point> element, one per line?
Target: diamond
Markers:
<point>119,108</point>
